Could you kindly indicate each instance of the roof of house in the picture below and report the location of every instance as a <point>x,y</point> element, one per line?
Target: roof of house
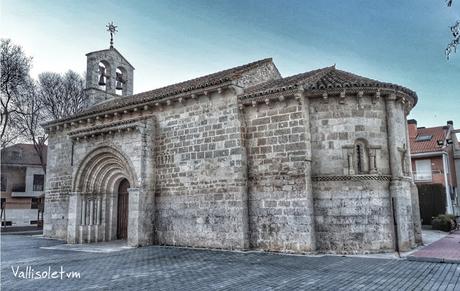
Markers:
<point>22,154</point>
<point>431,145</point>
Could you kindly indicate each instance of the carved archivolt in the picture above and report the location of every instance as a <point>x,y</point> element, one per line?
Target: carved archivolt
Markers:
<point>101,170</point>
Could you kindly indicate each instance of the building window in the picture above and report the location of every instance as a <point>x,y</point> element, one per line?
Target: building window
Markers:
<point>34,204</point>
<point>423,171</point>
<point>3,183</point>
<point>19,188</point>
<point>423,137</point>
<point>39,182</point>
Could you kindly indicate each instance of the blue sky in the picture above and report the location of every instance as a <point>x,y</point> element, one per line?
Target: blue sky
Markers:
<point>170,41</point>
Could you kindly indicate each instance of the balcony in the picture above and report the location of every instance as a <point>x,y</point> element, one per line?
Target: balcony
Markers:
<point>425,176</point>
<point>19,190</point>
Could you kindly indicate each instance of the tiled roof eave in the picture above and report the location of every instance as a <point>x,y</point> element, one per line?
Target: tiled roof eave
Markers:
<point>248,99</point>
<point>141,102</point>
<point>429,151</point>
<point>373,89</point>
<point>272,94</point>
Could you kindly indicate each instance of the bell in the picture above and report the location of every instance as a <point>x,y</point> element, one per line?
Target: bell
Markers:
<point>119,84</point>
<point>101,80</point>
<point>102,75</point>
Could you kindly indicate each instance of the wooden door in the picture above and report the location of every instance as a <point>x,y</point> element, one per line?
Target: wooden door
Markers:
<point>122,221</point>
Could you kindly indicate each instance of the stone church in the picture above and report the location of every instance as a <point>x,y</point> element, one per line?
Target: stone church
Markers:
<point>239,159</point>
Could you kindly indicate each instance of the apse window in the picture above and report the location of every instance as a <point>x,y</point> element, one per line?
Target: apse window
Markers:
<point>424,137</point>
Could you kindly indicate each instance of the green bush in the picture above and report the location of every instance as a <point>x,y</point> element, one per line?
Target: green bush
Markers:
<point>444,222</point>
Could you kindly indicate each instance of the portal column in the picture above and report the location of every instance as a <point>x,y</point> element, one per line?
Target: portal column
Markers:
<point>74,217</point>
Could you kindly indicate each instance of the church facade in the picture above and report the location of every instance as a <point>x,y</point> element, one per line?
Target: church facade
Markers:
<point>239,159</point>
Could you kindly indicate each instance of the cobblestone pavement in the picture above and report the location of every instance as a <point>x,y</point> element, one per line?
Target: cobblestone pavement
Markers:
<point>167,268</point>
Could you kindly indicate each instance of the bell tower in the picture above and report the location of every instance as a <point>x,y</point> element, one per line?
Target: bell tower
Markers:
<point>108,74</point>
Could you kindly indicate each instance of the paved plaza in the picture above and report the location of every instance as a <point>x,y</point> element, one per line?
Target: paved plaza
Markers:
<point>169,268</point>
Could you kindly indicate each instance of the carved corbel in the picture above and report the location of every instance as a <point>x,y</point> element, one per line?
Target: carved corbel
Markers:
<point>325,97</point>
<point>342,97</point>
<point>298,97</point>
<point>360,99</point>
<point>376,97</point>
<point>282,99</point>
<point>206,93</point>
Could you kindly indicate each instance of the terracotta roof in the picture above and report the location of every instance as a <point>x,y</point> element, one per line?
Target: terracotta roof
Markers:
<point>437,133</point>
<point>285,83</point>
<point>321,79</point>
<point>21,154</point>
<point>171,90</point>
<point>328,78</point>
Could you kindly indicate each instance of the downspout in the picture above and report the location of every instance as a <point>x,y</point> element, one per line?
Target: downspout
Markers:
<point>449,207</point>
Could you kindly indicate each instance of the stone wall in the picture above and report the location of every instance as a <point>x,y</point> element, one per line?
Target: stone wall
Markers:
<point>58,185</point>
<point>280,214</point>
<point>353,216</point>
<point>201,174</point>
<point>335,125</point>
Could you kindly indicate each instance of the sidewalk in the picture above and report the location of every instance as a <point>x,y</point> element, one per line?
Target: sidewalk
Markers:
<point>21,230</point>
<point>446,250</point>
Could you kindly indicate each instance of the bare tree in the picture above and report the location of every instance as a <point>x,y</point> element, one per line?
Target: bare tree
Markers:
<point>26,104</point>
<point>455,30</point>
<point>62,95</point>
<point>54,96</point>
<point>30,115</point>
<point>14,67</point>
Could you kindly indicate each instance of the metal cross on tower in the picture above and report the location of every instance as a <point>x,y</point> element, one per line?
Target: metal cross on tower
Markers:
<point>112,29</point>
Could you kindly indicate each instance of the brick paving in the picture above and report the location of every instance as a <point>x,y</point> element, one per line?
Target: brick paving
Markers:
<point>168,268</point>
<point>446,250</point>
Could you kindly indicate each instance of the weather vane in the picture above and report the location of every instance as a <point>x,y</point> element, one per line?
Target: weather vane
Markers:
<point>112,29</point>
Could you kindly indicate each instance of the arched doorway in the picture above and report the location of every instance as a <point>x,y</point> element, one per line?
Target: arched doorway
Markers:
<point>99,209</point>
<point>122,213</point>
